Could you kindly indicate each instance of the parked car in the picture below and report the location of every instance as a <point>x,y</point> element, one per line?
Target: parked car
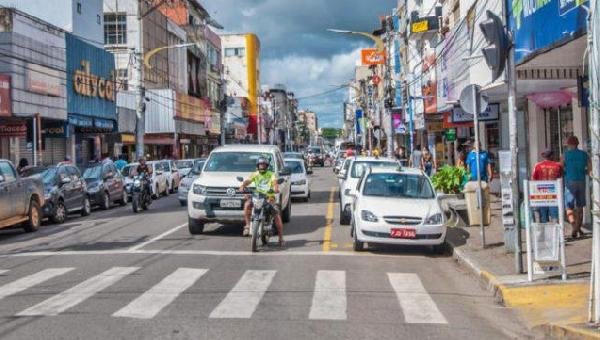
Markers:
<point>188,180</point>
<point>172,175</point>
<point>21,198</point>
<point>300,181</point>
<point>215,197</point>
<point>65,191</point>
<point>159,181</point>
<point>397,206</point>
<point>184,165</point>
<point>356,168</point>
<point>105,185</point>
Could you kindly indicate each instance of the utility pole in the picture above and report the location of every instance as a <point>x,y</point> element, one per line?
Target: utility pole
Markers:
<point>140,126</point>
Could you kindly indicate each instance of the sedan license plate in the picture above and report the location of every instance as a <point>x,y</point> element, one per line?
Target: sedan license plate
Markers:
<point>231,204</point>
<point>403,233</point>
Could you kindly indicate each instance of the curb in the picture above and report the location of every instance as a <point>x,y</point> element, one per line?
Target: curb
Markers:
<point>552,330</point>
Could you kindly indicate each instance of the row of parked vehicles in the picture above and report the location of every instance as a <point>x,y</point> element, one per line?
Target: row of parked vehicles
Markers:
<point>385,203</point>
<point>55,191</point>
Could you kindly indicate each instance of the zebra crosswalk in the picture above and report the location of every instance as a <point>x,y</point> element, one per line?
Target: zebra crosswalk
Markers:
<point>330,295</point>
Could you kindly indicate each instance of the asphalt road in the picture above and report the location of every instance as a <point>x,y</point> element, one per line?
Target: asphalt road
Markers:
<point>119,275</point>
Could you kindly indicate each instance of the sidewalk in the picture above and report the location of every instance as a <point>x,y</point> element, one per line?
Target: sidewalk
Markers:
<point>559,308</point>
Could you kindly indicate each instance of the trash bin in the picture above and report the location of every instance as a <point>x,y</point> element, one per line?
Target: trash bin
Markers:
<point>470,191</point>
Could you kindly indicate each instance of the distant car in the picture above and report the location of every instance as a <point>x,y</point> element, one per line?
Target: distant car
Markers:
<point>397,206</point>
<point>184,164</point>
<point>20,198</point>
<point>300,181</point>
<point>171,173</point>
<point>293,155</point>
<point>105,185</point>
<point>356,168</point>
<point>188,180</point>
<point>65,191</point>
<point>158,183</point>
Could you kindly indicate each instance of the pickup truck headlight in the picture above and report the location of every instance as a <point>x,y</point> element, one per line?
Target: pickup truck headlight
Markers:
<point>435,219</point>
<point>199,189</point>
<point>368,216</point>
<point>300,182</point>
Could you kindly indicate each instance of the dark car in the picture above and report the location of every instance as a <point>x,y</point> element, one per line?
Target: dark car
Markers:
<point>20,198</point>
<point>105,185</point>
<point>65,191</point>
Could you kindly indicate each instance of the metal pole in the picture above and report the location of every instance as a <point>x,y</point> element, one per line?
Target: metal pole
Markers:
<point>514,153</point>
<point>475,99</point>
<point>140,114</point>
<point>35,136</point>
<point>528,231</point>
<point>411,126</point>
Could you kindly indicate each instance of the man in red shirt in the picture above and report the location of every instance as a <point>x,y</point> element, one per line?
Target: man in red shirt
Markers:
<point>547,170</point>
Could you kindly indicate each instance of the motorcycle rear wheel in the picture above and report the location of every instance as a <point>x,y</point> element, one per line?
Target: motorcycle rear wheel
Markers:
<point>134,204</point>
<point>254,239</point>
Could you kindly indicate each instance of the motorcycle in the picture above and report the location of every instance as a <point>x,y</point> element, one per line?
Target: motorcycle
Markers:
<point>262,225</point>
<point>311,161</point>
<point>140,193</point>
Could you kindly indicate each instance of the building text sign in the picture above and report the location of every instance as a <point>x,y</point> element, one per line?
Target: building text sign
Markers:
<point>543,194</point>
<point>87,84</point>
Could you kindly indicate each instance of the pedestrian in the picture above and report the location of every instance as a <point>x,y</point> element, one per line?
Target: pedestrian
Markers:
<point>547,170</point>
<point>428,164</point>
<point>576,164</point>
<point>121,163</point>
<point>415,158</point>
<point>400,155</point>
<point>460,158</point>
<point>485,168</point>
<point>23,164</point>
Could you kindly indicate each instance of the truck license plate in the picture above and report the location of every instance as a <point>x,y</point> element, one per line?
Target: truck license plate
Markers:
<point>231,203</point>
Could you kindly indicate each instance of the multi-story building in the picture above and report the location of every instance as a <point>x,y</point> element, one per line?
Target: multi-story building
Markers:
<point>241,60</point>
<point>83,18</point>
<point>311,121</point>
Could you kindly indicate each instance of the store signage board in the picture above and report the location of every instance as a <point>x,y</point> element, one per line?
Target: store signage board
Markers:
<point>451,135</point>
<point>13,130</point>
<point>420,26</point>
<point>5,102</point>
<point>543,194</point>
<point>371,56</point>
<point>491,113</point>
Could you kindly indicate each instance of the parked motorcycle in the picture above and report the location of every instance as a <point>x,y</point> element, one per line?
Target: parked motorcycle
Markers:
<point>139,190</point>
<point>262,225</point>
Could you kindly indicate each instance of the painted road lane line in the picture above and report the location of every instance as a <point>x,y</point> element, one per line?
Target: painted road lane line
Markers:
<point>31,280</point>
<point>329,299</point>
<point>79,293</point>
<point>149,304</point>
<point>329,222</point>
<point>156,238</point>
<point>242,300</point>
<point>2,271</point>
<point>416,304</point>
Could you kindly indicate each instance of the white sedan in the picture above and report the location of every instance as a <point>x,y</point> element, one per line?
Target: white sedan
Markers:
<point>397,206</point>
<point>300,181</point>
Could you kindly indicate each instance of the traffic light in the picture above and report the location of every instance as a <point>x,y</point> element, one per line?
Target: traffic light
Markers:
<point>498,44</point>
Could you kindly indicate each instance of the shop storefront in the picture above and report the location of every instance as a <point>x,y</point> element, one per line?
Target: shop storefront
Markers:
<point>91,101</point>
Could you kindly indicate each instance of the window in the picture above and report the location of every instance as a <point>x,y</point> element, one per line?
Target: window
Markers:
<point>8,172</point>
<point>235,52</point>
<point>78,7</point>
<point>115,29</point>
<point>123,79</point>
<point>98,20</point>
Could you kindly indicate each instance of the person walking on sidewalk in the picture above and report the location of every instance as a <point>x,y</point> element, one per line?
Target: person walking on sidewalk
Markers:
<point>485,168</point>
<point>428,164</point>
<point>547,170</point>
<point>415,158</point>
<point>576,164</point>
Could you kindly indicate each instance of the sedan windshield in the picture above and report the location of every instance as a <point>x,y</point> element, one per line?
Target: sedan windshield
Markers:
<point>398,186</point>
<point>184,164</point>
<point>92,173</point>
<point>295,167</point>
<point>235,161</point>
<point>359,167</point>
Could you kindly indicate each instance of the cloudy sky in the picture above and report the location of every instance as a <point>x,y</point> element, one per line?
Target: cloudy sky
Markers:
<point>296,49</point>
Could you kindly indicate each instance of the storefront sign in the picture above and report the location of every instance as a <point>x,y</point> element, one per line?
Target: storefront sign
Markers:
<point>429,87</point>
<point>449,124</point>
<point>80,121</point>
<point>491,113</point>
<point>399,126</point>
<point>450,135</point>
<point>13,130</point>
<point>127,138</point>
<point>543,194</point>
<point>434,126</point>
<point>87,84</point>
<point>54,130</point>
<point>359,115</point>
<point>104,124</point>
<point>185,141</point>
<point>5,102</point>
<point>425,24</point>
<point>539,25</point>
<point>43,80</point>
<point>370,56</point>
<point>190,108</point>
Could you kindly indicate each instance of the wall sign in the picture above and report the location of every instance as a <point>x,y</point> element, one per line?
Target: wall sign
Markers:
<point>13,130</point>
<point>5,102</point>
<point>87,84</point>
<point>43,80</point>
<point>491,113</point>
<point>370,56</point>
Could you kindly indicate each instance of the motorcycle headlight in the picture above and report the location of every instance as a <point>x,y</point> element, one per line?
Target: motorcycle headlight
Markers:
<point>435,219</point>
<point>258,202</point>
<point>300,182</point>
<point>199,189</point>
<point>368,216</point>
<point>137,183</point>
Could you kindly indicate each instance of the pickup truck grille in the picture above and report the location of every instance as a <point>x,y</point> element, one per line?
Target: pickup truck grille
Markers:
<point>222,192</point>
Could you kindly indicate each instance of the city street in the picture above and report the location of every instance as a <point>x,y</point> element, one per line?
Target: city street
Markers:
<point>116,274</point>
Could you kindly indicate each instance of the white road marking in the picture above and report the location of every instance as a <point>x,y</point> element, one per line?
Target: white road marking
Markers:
<point>156,238</point>
<point>417,305</point>
<point>79,293</point>
<point>329,299</point>
<point>149,304</point>
<point>242,300</point>
<point>31,280</point>
<point>2,271</point>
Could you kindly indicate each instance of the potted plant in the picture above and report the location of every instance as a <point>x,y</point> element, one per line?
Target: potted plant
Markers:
<point>449,180</point>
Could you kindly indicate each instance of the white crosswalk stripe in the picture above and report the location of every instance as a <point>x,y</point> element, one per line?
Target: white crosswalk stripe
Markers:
<point>149,304</point>
<point>79,293</point>
<point>242,300</point>
<point>416,304</point>
<point>2,271</point>
<point>31,280</point>
<point>329,298</point>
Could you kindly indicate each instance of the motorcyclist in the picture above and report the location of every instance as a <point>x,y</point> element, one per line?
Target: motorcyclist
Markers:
<point>265,183</point>
<point>144,168</point>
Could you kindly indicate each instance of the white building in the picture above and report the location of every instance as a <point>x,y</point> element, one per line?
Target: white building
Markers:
<point>80,17</point>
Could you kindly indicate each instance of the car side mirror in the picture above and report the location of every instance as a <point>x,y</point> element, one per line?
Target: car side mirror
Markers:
<point>281,180</point>
<point>342,175</point>
<point>240,178</point>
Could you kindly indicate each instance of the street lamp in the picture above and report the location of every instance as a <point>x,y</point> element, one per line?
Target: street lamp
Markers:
<point>151,53</point>
<point>378,41</point>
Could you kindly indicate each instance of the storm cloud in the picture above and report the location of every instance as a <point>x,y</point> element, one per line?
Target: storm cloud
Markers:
<point>297,50</point>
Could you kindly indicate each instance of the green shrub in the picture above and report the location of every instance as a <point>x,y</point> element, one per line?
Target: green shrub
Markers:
<point>449,179</point>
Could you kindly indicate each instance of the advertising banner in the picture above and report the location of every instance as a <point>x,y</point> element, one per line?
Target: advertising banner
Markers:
<point>429,82</point>
<point>359,115</point>
<point>543,194</point>
<point>398,124</point>
<point>370,56</point>
<point>539,25</point>
<point>5,102</point>
<point>491,113</point>
<point>13,130</point>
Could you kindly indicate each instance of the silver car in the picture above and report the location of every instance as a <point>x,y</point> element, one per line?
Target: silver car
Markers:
<point>188,180</point>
